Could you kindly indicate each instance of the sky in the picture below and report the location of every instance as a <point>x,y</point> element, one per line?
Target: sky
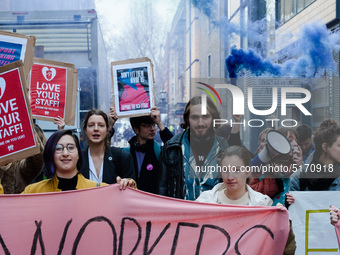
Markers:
<point>115,14</point>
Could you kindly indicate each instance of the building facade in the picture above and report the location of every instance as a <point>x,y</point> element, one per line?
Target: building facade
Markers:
<point>293,15</point>
<point>260,25</point>
<point>66,32</point>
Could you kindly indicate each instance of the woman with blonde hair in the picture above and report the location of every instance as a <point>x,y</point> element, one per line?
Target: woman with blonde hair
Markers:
<point>234,190</point>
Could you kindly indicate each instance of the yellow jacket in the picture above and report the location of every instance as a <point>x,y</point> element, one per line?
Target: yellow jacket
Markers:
<point>51,185</point>
<point>1,189</point>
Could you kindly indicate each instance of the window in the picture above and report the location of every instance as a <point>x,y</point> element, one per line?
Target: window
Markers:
<point>319,114</point>
<point>209,25</point>
<point>244,27</point>
<point>228,9</point>
<point>287,9</point>
<point>300,5</point>
<point>209,66</point>
<point>293,8</point>
<point>235,38</point>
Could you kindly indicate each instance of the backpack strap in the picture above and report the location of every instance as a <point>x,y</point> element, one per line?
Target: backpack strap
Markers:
<point>126,149</point>
<point>157,149</point>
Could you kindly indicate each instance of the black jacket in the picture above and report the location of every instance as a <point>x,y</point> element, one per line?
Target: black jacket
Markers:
<point>171,181</point>
<point>148,178</point>
<point>117,162</point>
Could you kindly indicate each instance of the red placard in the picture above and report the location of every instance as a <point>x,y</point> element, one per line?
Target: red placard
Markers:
<point>16,134</point>
<point>48,90</point>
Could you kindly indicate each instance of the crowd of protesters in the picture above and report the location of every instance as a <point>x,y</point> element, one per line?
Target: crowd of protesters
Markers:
<point>176,168</point>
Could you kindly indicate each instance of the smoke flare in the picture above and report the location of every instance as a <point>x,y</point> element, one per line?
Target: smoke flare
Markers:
<point>314,56</point>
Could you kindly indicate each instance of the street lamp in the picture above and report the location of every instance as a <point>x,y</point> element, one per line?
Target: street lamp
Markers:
<point>164,110</point>
<point>163,95</point>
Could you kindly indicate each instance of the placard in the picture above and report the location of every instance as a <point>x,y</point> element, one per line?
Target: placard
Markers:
<point>17,139</point>
<point>53,90</point>
<point>133,87</point>
<point>14,47</point>
<point>311,223</point>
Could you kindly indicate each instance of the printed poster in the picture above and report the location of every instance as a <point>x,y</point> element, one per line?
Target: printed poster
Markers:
<point>53,90</point>
<point>48,90</point>
<point>133,87</point>
<point>11,51</point>
<point>14,47</point>
<point>16,128</point>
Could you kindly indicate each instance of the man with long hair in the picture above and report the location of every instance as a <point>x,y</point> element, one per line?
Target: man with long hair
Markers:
<point>191,158</point>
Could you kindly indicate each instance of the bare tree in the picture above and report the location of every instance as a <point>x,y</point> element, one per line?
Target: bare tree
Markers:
<point>144,36</point>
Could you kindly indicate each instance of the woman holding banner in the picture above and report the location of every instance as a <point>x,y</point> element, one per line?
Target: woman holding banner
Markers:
<point>63,159</point>
<point>103,163</point>
<point>235,163</point>
<point>235,189</point>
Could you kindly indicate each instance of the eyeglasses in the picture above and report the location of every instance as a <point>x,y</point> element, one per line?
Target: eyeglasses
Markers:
<point>60,148</point>
<point>149,125</point>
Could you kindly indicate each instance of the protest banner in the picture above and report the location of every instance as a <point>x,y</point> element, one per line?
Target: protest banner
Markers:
<point>17,140</point>
<point>135,222</point>
<point>14,47</point>
<point>311,223</point>
<point>53,90</point>
<point>133,87</point>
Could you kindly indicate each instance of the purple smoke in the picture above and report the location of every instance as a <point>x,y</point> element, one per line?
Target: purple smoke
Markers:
<point>249,60</point>
<point>314,49</point>
<point>205,6</point>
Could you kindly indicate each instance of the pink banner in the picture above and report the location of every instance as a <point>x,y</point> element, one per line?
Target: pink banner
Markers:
<point>107,220</point>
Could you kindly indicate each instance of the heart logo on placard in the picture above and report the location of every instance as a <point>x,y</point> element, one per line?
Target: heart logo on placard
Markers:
<point>49,74</point>
<point>2,86</point>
